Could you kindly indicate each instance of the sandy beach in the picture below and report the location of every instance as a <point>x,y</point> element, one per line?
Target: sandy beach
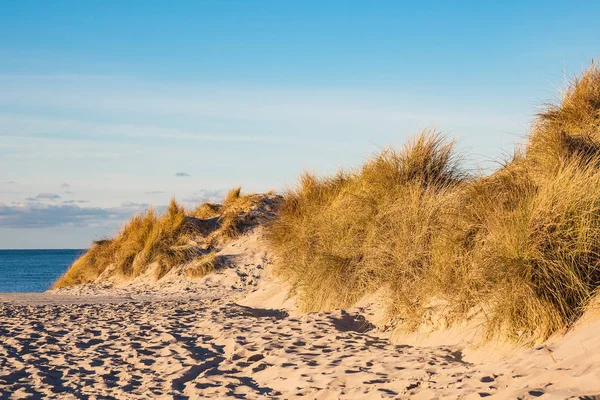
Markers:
<point>114,347</point>
<point>236,334</point>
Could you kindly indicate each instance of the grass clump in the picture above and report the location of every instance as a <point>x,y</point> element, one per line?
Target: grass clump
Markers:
<point>520,247</point>
<point>147,238</point>
<point>524,252</point>
<point>207,210</point>
<point>237,212</point>
<point>203,266</point>
<point>174,238</point>
<point>335,237</point>
<point>88,266</point>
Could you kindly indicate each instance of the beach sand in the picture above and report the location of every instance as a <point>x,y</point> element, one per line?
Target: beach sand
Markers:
<point>236,334</point>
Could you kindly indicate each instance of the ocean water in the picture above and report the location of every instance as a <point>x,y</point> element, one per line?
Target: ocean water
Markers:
<point>33,270</point>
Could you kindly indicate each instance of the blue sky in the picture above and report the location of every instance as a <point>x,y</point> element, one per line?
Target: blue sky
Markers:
<point>106,107</point>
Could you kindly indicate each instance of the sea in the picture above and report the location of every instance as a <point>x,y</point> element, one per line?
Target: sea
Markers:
<point>33,270</point>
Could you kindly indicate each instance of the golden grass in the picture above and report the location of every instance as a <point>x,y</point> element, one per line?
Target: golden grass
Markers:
<point>569,130</point>
<point>334,236</point>
<point>202,266</point>
<point>168,240</point>
<point>236,211</point>
<point>207,210</point>
<point>232,196</point>
<point>89,265</point>
<point>521,246</point>
<point>145,239</point>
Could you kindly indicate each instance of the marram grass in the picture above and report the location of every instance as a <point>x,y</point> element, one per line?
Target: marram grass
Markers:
<point>521,246</point>
<point>165,241</point>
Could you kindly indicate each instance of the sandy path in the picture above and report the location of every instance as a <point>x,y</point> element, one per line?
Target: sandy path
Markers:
<point>117,347</point>
<point>195,349</point>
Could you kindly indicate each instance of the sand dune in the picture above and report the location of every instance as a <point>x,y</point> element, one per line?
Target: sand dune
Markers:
<point>235,334</point>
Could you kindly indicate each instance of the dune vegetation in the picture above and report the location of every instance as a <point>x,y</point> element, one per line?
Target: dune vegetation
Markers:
<point>174,238</point>
<point>520,247</point>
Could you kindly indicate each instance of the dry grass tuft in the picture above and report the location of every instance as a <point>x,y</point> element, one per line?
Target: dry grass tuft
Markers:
<point>232,196</point>
<point>174,238</point>
<point>203,266</point>
<point>90,265</point>
<point>207,210</point>
<point>569,130</point>
<point>237,212</point>
<point>334,236</point>
<point>166,239</point>
<point>521,246</point>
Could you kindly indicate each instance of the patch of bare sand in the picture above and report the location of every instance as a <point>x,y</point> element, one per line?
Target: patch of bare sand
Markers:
<point>235,334</point>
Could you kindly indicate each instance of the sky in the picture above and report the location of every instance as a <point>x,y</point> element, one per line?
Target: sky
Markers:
<point>107,107</point>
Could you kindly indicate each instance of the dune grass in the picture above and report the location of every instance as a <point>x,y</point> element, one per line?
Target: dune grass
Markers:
<point>171,239</point>
<point>203,266</point>
<point>89,265</point>
<point>338,238</point>
<point>236,211</point>
<point>520,247</point>
<point>145,239</point>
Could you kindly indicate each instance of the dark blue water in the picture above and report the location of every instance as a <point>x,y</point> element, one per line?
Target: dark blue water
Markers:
<point>33,270</point>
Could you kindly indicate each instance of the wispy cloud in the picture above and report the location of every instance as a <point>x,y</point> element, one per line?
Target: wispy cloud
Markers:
<point>264,104</point>
<point>75,201</point>
<point>39,215</point>
<point>44,196</point>
<point>133,204</point>
<point>204,196</point>
<point>65,185</point>
<point>182,174</point>
<point>258,104</point>
<point>17,125</point>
